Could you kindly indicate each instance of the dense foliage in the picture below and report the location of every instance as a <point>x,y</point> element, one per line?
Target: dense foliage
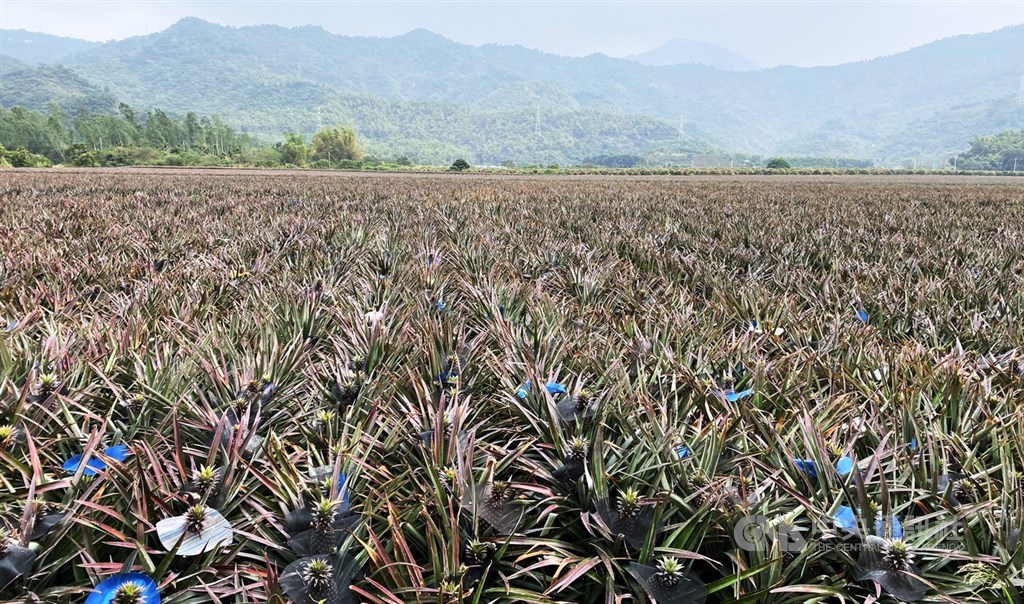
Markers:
<point>155,138</point>
<point>1001,152</point>
<point>111,139</point>
<point>537,390</point>
<point>20,158</point>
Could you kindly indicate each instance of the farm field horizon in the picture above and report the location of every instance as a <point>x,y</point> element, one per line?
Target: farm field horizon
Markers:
<point>304,386</point>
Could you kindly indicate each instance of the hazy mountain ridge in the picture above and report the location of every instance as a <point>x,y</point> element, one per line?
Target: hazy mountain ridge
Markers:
<point>32,47</point>
<point>860,109</point>
<point>680,51</point>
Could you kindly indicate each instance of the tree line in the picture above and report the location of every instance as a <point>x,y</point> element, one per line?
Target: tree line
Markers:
<point>34,138</point>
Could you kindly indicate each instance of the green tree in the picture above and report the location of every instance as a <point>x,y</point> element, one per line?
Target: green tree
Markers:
<point>778,163</point>
<point>161,131</point>
<point>335,144</point>
<point>88,159</point>
<point>56,136</point>
<point>294,151</point>
<point>459,165</point>
<point>195,138</point>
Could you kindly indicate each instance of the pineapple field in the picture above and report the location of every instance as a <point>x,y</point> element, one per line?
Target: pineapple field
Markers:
<point>258,386</point>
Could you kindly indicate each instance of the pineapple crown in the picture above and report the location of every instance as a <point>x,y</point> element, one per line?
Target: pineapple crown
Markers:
<point>966,490</point>
<point>323,513</point>
<point>628,504</point>
<point>578,448</point>
<point>327,486</point>
<point>448,477</point>
<point>47,383</point>
<point>318,573</point>
<point>205,477</point>
<point>897,555</point>
<point>7,433</point>
<point>325,417</point>
<point>449,589</point>
<point>195,519</point>
<point>129,593</point>
<point>240,403</point>
<point>743,483</point>
<point>583,399</point>
<point>479,552</point>
<point>500,493</point>
<point>134,401</point>
<point>670,571</point>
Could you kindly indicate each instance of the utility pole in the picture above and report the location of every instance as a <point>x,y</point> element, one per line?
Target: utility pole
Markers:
<point>536,120</point>
<point>682,124</point>
<point>319,119</point>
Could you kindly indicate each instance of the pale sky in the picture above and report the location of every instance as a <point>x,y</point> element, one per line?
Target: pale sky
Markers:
<point>770,33</point>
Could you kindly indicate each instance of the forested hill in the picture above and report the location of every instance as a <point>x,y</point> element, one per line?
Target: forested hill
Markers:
<point>422,87</point>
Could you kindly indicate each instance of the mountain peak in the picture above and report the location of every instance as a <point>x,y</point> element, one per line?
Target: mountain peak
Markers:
<point>422,34</point>
<point>192,23</point>
<point>682,51</point>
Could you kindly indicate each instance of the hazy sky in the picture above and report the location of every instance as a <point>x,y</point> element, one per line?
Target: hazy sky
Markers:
<point>768,32</point>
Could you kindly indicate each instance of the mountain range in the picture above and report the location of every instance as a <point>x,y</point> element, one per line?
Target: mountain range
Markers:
<point>420,94</point>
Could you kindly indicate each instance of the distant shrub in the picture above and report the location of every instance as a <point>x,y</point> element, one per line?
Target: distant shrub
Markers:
<point>21,158</point>
<point>778,163</point>
<point>89,159</point>
<point>459,165</point>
